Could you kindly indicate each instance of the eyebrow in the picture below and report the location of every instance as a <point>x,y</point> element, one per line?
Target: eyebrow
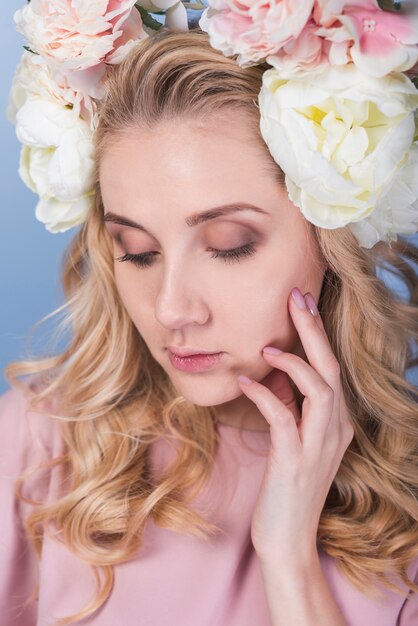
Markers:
<point>192,220</point>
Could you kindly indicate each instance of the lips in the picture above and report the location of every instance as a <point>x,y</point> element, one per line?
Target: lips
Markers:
<point>186,351</point>
<point>195,362</point>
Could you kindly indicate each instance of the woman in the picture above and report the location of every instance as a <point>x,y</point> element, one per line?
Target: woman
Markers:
<point>310,515</point>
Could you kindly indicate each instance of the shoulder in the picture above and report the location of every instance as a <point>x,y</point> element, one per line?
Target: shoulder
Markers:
<point>27,437</point>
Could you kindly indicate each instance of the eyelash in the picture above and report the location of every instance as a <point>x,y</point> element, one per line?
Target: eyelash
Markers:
<point>229,256</point>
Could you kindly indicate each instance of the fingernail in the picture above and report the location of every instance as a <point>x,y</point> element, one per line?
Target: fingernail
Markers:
<point>298,298</point>
<point>244,380</point>
<point>311,304</point>
<point>271,350</point>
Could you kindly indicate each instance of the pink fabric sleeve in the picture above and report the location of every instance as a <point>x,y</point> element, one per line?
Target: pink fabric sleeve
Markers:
<point>21,446</point>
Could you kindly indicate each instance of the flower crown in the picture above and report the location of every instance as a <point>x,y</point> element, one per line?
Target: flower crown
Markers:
<point>337,106</point>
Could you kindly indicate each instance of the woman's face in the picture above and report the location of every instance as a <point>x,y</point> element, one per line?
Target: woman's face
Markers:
<point>184,296</point>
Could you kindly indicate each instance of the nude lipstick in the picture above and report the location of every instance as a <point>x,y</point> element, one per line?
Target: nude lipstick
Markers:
<point>195,362</point>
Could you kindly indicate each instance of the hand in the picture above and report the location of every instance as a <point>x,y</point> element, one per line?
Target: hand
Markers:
<point>307,449</point>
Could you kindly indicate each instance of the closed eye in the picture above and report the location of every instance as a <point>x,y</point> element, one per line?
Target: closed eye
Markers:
<point>145,259</point>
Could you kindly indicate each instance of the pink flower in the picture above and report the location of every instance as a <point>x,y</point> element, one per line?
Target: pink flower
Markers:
<point>326,12</point>
<point>378,42</point>
<point>79,34</point>
<point>306,53</point>
<point>36,79</point>
<point>254,30</point>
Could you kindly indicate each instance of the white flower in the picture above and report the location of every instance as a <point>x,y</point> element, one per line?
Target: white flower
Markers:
<point>56,158</point>
<point>60,216</point>
<point>346,144</point>
<point>62,176</point>
<point>54,95</point>
<point>37,169</point>
<point>397,211</point>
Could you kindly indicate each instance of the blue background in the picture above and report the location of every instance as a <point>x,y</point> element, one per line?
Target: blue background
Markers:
<point>30,257</point>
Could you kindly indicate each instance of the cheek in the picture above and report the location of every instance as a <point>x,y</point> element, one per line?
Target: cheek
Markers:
<point>138,299</point>
<point>257,304</point>
<point>128,293</point>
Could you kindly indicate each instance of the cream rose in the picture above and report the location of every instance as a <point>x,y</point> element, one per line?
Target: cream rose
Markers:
<point>36,169</point>
<point>346,142</point>
<point>62,177</point>
<point>55,124</point>
<point>56,161</point>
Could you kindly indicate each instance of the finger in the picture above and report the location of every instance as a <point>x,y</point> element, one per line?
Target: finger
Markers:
<point>306,378</point>
<point>319,406</point>
<point>283,430</point>
<point>284,388</point>
<point>314,341</point>
<point>313,307</point>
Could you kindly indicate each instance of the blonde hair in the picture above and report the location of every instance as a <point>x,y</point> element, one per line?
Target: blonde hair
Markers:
<point>108,384</point>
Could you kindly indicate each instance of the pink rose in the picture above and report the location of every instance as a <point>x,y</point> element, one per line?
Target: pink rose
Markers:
<point>377,41</point>
<point>254,30</point>
<point>77,35</point>
<point>306,53</point>
<point>36,79</point>
<point>326,12</point>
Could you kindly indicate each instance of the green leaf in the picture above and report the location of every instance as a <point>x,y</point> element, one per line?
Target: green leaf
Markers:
<point>30,49</point>
<point>390,5</point>
<point>196,6</point>
<point>147,19</point>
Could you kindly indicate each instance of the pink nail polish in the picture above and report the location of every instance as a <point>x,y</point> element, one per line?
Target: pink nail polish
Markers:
<point>298,298</point>
<point>311,304</point>
<point>271,350</point>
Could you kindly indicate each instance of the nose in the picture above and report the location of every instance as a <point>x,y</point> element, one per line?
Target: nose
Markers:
<point>179,301</point>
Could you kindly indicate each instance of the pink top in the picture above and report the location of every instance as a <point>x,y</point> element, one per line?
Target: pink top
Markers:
<point>175,579</point>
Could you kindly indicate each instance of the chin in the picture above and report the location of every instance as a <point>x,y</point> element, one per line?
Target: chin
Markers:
<point>206,392</point>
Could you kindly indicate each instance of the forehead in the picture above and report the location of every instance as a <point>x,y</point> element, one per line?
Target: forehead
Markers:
<point>183,167</point>
<point>184,151</point>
